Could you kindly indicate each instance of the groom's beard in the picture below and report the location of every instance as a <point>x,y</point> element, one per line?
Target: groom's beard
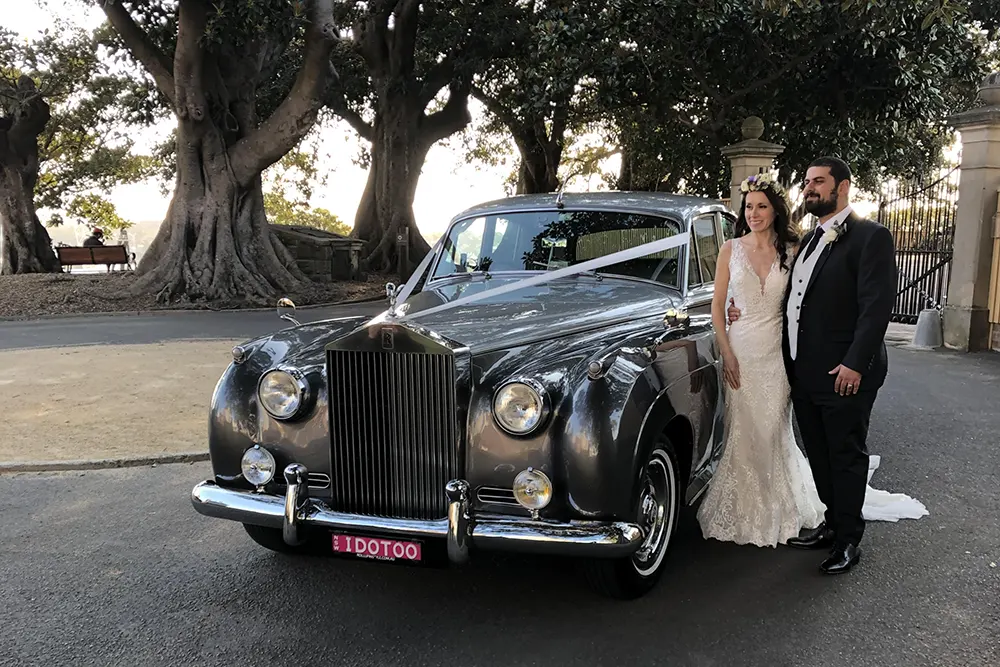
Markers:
<point>820,207</point>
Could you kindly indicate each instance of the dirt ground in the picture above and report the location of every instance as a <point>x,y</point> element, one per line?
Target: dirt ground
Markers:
<point>100,401</point>
<point>33,295</point>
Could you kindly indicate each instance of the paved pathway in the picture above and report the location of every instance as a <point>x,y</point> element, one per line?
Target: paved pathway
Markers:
<point>116,568</point>
<point>163,326</point>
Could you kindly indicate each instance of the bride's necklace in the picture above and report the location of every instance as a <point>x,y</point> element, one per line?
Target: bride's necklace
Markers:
<point>762,248</point>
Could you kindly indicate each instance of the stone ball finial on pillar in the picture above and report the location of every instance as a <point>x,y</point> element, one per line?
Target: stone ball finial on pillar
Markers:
<point>753,128</point>
<point>989,90</point>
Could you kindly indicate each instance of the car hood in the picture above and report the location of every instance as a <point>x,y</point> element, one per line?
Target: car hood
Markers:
<point>552,309</point>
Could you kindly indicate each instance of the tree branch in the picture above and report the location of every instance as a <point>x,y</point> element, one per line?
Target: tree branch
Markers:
<point>371,40</point>
<point>404,38</point>
<point>337,103</point>
<point>296,114</point>
<point>497,109</point>
<point>139,44</point>
<point>364,129</point>
<point>189,60</point>
<point>438,76</point>
<point>450,119</point>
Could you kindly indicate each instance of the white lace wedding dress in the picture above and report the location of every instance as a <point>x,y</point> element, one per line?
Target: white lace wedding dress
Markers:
<point>763,491</point>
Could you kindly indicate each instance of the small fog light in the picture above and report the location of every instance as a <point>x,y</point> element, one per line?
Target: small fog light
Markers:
<point>533,489</point>
<point>257,465</point>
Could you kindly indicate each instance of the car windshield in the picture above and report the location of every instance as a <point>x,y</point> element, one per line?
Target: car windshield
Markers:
<point>550,240</point>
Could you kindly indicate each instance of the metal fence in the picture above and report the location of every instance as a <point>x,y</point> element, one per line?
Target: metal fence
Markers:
<point>921,214</point>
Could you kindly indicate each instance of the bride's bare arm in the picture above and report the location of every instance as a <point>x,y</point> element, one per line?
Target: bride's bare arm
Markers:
<point>719,320</point>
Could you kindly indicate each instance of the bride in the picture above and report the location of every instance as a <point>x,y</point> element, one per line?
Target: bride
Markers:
<point>763,491</point>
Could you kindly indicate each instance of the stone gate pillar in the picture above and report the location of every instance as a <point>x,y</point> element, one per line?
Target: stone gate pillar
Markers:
<point>748,157</point>
<point>966,317</point>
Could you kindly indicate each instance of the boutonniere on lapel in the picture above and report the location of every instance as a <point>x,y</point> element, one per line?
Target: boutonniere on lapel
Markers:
<point>831,235</point>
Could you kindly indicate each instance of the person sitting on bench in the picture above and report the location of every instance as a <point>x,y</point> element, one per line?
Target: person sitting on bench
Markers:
<point>95,239</point>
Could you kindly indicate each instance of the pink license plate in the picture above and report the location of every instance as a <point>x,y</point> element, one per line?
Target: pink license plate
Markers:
<point>377,548</point>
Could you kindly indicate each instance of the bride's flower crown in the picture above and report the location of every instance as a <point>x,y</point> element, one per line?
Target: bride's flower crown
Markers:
<point>760,182</point>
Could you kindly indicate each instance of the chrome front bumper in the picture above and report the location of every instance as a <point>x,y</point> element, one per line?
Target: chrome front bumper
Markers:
<point>593,539</point>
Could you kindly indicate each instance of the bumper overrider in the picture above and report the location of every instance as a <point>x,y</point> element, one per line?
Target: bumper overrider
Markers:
<point>592,539</point>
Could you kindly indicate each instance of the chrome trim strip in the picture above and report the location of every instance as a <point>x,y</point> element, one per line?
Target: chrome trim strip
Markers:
<point>585,539</point>
<point>462,530</point>
<point>212,500</point>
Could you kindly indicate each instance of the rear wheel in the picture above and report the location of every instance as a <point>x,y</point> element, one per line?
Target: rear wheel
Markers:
<point>658,511</point>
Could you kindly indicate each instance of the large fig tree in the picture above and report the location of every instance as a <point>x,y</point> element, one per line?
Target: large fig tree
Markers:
<point>405,85</point>
<point>27,247</point>
<point>62,136</point>
<point>245,80</point>
<point>542,90</point>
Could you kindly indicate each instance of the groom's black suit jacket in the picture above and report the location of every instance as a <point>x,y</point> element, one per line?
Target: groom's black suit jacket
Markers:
<point>846,308</point>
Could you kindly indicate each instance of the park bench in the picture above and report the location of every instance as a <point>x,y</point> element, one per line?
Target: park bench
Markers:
<point>108,255</point>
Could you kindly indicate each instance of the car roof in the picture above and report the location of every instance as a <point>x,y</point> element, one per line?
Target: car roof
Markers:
<point>683,206</point>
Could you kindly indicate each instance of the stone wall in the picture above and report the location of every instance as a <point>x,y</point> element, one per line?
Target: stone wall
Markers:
<point>322,256</point>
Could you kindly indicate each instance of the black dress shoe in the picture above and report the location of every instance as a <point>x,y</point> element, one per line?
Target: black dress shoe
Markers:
<point>820,537</point>
<point>841,559</point>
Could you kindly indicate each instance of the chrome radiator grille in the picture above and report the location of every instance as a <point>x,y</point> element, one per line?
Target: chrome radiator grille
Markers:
<point>393,433</point>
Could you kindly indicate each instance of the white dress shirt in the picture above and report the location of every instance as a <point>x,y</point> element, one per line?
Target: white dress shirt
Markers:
<point>800,279</point>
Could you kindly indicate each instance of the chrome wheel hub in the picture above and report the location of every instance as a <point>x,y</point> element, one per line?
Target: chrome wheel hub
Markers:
<point>653,519</point>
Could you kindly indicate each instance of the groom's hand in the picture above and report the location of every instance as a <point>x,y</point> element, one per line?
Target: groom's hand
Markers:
<point>847,382</point>
<point>733,313</point>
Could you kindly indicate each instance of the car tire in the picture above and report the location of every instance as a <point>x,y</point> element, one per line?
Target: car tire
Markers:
<point>657,506</point>
<point>270,538</point>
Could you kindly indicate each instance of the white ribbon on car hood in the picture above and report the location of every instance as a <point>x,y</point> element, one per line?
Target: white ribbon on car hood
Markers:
<point>674,241</point>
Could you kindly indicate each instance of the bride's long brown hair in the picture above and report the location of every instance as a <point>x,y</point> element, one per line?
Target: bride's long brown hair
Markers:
<point>785,233</point>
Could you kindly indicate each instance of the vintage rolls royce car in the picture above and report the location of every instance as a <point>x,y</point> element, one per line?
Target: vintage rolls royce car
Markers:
<point>538,386</point>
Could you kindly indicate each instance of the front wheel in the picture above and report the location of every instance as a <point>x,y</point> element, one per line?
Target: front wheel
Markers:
<point>658,511</point>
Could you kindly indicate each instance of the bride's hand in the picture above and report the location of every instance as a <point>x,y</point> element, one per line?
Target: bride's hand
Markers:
<point>731,370</point>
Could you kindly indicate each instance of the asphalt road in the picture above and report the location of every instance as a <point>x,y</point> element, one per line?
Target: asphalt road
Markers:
<point>115,568</point>
<point>164,326</point>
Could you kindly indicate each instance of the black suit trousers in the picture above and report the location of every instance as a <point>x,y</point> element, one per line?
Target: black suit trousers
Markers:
<point>834,431</point>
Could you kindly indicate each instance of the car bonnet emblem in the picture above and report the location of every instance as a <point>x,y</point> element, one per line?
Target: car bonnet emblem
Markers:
<point>388,339</point>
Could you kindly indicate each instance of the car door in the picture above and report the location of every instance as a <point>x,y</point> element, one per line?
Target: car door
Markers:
<point>706,235</point>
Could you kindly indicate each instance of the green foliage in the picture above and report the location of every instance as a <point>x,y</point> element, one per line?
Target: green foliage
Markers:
<point>94,210</point>
<point>85,145</point>
<point>283,211</point>
<point>288,187</point>
<point>543,90</point>
<point>870,81</point>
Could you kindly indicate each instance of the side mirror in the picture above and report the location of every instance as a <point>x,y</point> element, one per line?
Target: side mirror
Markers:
<point>286,310</point>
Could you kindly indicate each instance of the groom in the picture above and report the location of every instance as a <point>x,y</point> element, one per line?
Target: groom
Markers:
<point>837,307</point>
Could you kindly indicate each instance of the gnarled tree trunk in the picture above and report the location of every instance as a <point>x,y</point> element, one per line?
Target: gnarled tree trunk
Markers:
<point>538,171</point>
<point>215,243</point>
<point>402,132</point>
<point>26,246</point>
<point>399,149</point>
<point>539,146</point>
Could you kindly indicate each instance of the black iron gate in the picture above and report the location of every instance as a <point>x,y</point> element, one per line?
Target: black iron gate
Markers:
<point>921,216</point>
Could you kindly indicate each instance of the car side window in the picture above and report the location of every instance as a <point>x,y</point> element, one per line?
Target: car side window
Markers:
<point>728,227</point>
<point>706,242</point>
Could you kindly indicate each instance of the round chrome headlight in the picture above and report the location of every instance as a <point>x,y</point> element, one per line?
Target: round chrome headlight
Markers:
<point>282,392</point>
<point>520,406</point>
<point>257,465</point>
<point>532,489</point>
